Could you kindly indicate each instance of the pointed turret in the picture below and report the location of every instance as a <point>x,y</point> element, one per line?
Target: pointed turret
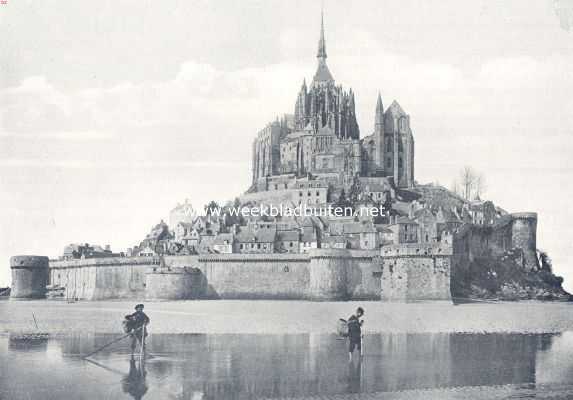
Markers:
<point>379,120</point>
<point>379,135</point>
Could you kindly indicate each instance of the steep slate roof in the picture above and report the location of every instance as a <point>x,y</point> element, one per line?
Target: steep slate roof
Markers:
<point>222,237</point>
<point>357,227</point>
<point>382,228</point>
<point>288,236</point>
<point>308,234</point>
<point>423,212</point>
<point>334,239</point>
<point>322,73</point>
<point>404,220</point>
<point>260,236</point>
<point>375,187</point>
<point>395,109</point>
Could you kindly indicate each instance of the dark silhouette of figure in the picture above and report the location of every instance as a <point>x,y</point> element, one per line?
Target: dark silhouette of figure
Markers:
<point>134,382</point>
<point>136,324</point>
<point>355,332</point>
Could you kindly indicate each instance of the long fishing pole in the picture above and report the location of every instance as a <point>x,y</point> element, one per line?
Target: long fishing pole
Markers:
<point>112,342</point>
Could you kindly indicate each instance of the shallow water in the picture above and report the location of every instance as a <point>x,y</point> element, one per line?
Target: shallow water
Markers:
<point>198,366</point>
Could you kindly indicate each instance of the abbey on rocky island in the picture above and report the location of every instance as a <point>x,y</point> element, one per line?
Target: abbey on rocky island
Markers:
<point>322,138</point>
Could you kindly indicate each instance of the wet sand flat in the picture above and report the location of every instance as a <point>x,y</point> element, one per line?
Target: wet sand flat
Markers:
<point>281,317</point>
<point>296,366</point>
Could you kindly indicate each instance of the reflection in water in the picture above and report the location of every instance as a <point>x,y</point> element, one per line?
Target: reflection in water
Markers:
<point>354,375</point>
<point>134,382</point>
<point>248,366</point>
<point>27,343</point>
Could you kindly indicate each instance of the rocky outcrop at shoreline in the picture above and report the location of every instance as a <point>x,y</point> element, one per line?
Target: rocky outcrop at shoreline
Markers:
<point>503,279</point>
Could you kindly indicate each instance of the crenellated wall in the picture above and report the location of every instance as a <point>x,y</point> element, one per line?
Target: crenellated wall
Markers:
<point>395,273</point>
<point>321,274</point>
<point>102,278</point>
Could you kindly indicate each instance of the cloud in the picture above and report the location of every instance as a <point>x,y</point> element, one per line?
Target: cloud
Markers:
<point>505,96</point>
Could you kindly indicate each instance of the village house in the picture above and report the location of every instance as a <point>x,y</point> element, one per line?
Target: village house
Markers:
<point>205,245</point>
<point>361,235</point>
<point>308,239</point>
<point>251,239</point>
<point>481,212</point>
<point>223,243</point>
<point>147,251</point>
<point>385,235</point>
<point>81,251</point>
<point>288,241</point>
<point>427,225</point>
<point>404,230</point>
<point>334,242</point>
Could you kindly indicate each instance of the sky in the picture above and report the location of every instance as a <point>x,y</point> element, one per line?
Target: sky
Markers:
<point>113,112</point>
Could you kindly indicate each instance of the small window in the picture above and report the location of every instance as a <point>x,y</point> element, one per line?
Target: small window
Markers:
<point>241,246</point>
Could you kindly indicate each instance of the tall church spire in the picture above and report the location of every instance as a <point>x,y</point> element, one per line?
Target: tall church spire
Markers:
<point>322,74</point>
<point>321,42</point>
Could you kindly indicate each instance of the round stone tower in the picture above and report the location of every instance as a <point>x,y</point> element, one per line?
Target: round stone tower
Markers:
<point>524,237</point>
<point>174,284</point>
<point>328,274</point>
<point>29,277</point>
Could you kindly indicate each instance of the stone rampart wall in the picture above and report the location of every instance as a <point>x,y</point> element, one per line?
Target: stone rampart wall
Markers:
<point>322,274</point>
<point>416,277</point>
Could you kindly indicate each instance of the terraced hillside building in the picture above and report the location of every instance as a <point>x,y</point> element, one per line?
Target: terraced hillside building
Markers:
<point>322,137</point>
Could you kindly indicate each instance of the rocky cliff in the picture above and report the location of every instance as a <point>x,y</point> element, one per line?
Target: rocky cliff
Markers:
<point>504,279</point>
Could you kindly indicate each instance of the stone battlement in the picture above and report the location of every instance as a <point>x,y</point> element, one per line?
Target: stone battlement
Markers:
<point>417,250</point>
<point>320,274</point>
<point>103,262</point>
<point>524,215</point>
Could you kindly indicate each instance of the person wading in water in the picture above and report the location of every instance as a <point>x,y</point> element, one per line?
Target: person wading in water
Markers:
<point>355,332</point>
<point>136,325</point>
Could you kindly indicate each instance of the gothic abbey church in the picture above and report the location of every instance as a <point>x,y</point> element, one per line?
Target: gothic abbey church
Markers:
<point>322,138</point>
